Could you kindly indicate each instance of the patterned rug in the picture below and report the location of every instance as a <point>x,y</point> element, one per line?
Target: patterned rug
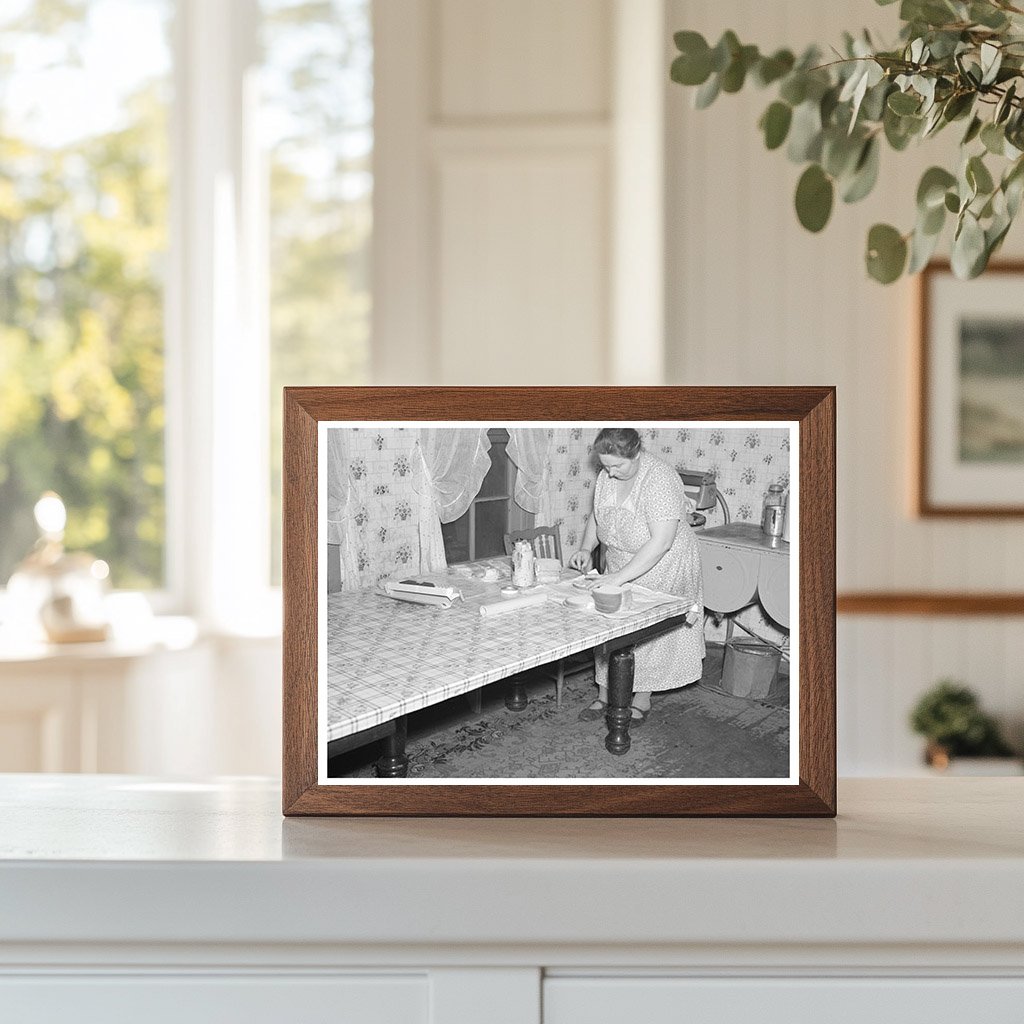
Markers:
<point>698,731</point>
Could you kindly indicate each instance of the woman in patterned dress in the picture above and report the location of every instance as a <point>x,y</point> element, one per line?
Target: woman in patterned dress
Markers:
<point>639,516</point>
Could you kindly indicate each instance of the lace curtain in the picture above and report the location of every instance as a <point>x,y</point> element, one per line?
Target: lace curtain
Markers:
<point>529,448</point>
<point>452,464</point>
<point>339,506</point>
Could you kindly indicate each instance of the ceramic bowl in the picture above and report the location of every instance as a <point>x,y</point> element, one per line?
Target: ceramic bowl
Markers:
<point>607,599</point>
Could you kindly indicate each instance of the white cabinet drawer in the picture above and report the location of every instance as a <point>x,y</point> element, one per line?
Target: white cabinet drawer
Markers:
<point>660,1000</point>
<point>205,999</point>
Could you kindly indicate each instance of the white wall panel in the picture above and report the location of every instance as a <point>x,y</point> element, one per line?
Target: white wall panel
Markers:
<point>752,298</point>
<point>531,58</point>
<point>521,292</point>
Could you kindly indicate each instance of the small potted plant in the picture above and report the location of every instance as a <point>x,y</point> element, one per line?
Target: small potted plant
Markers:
<point>950,717</point>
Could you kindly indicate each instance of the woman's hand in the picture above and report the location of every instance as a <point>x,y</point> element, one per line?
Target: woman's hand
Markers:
<point>582,560</point>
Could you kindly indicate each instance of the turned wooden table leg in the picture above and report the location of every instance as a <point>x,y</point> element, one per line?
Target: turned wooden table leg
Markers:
<point>516,699</point>
<point>620,698</point>
<point>393,763</point>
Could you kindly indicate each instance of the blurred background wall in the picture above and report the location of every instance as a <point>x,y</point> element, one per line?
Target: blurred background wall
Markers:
<point>415,191</point>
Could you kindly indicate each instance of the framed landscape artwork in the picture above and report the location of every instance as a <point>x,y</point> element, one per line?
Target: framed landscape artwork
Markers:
<point>559,601</point>
<point>970,450</point>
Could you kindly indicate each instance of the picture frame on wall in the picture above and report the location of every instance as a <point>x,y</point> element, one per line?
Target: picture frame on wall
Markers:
<point>970,378</point>
<point>559,601</point>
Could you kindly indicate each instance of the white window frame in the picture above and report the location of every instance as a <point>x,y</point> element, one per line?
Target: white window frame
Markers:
<point>217,349</point>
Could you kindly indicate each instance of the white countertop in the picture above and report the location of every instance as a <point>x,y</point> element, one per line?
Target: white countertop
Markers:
<point>121,859</point>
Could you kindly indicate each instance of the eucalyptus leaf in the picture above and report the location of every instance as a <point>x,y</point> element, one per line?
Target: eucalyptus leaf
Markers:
<point>735,74</point>
<point>707,93</point>
<point>771,69</point>
<point>900,130</point>
<point>865,173</point>
<point>952,202</point>
<point>968,246</point>
<point>805,133</point>
<point>972,132</point>
<point>1005,105</point>
<point>931,190</point>
<point>987,15</point>
<point>873,106</point>
<point>814,195</point>
<point>932,221</point>
<point>991,60</point>
<point>724,51</point>
<point>840,152</point>
<point>904,103</point>
<point>886,253</point>
<point>775,123</point>
<point>922,248</point>
<point>794,88</point>
<point>958,105</point>
<point>978,176</point>
<point>993,138</point>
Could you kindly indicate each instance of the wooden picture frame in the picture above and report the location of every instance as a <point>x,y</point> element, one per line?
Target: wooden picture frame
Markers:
<point>808,412</point>
<point>963,447</point>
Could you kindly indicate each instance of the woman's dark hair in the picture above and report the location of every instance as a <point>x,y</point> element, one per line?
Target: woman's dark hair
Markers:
<point>622,442</point>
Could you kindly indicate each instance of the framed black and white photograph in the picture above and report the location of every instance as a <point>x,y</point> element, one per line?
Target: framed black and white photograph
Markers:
<point>558,601</point>
<point>970,452</point>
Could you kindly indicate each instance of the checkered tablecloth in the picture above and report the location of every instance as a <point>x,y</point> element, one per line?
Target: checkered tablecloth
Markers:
<point>386,658</point>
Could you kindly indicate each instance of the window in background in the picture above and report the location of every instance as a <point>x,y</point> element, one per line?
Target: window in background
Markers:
<point>317,125</point>
<point>83,237</point>
<point>480,531</point>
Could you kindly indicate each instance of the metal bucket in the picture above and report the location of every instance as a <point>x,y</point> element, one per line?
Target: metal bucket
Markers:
<point>749,668</point>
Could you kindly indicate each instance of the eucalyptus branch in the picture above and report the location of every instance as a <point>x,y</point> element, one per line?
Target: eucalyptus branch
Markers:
<point>833,117</point>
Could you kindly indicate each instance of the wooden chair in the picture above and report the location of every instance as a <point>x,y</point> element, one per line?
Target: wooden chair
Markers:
<point>547,543</point>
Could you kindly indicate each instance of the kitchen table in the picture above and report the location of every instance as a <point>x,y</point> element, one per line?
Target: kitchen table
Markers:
<point>388,658</point>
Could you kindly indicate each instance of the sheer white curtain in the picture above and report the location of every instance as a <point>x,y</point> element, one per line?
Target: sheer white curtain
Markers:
<point>339,505</point>
<point>528,448</point>
<point>452,464</point>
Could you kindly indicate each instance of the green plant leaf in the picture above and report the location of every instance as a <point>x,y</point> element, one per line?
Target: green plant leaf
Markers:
<point>993,138</point>
<point>865,173</point>
<point>814,193</point>
<point>693,65</point>
<point>987,15</point>
<point>900,130</point>
<point>805,133</point>
<point>839,151</point>
<point>968,247</point>
<point>775,124</point>
<point>922,247</point>
<point>887,253</point>
<point>725,49</point>
<point>931,191</point>
<point>707,93</point>
<point>735,74</point>
<point>794,88</point>
<point>973,129</point>
<point>952,202</point>
<point>978,176</point>
<point>958,105</point>
<point>991,60</point>
<point>771,69</point>
<point>1004,106</point>
<point>903,103</point>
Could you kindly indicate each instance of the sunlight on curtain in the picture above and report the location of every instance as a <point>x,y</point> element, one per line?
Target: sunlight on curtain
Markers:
<point>452,465</point>
<point>529,449</point>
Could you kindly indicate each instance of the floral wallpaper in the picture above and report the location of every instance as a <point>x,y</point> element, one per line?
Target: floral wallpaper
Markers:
<point>384,506</point>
